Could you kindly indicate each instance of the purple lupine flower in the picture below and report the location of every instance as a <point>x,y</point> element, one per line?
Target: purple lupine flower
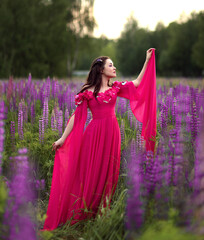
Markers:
<point>160,182</point>
<point>32,113</point>
<point>178,122</point>
<point>13,105</point>
<point>17,216</point>
<point>194,123</point>
<point>130,117</point>
<point>60,122</point>
<point>134,208</point>
<point>123,106</point>
<point>55,88</point>
<point>200,116</point>
<point>20,124</point>
<point>136,124</point>
<point>187,103</point>
<point>140,127</point>
<point>163,117</point>
<point>138,141</point>
<point>122,130</point>
<point>41,130</point>
<point>53,121</point>
<point>45,112</point>
<point>60,100</point>
<point>13,135</point>
<point>24,109</point>
<point>178,163</point>
<point>2,117</point>
<point>158,172</point>
<point>197,201</point>
<point>150,173</point>
<point>188,123</point>
<point>173,112</point>
<point>169,171</point>
<point>48,87</point>
<point>66,116</point>
<point>40,184</point>
<point>42,94</point>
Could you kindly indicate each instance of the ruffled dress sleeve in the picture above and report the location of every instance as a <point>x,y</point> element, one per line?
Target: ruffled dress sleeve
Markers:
<point>143,102</point>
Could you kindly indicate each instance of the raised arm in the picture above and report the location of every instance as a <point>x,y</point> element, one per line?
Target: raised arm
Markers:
<point>137,81</point>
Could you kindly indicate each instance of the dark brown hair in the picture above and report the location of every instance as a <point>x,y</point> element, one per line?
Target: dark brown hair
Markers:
<point>94,77</point>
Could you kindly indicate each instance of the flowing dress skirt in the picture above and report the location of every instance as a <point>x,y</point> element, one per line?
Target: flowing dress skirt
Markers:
<point>95,175</point>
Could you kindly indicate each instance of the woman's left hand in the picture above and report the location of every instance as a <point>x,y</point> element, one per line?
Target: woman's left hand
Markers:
<point>149,54</point>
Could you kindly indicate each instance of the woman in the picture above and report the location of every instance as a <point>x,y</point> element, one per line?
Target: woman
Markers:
<point>87,163</point>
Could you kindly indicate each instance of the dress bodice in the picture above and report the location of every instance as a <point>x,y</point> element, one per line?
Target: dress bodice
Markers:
<point>104,104</point>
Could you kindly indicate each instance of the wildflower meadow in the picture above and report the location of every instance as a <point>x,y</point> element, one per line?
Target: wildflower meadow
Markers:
<point>159,195</point>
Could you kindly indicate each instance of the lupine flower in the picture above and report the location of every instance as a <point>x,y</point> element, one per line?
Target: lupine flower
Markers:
<point>130,117</point>
<point>13,135</point>
<point>188,123</point>
<point>138,141</point>
<point>150,174</point>
<point>40,184</point>
<point>53,121</point>
<point>174,111</point>
<point>32,113</point>
<point>134,207</point>
<point>60,121</point>
<point>122,106</point>
<point>163,117</point>
<point>66,116</point>
<point>194,123</point>
<point>20,124</point>
<point>18,215</point>
<point>45,112</point>
<point>48,87</point>
<point>41,130</point>
<point>197,199</point>
<point>2,117</point>
<point>122,130</point>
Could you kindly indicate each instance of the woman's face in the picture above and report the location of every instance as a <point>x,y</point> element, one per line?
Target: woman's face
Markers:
<point>109,69</point>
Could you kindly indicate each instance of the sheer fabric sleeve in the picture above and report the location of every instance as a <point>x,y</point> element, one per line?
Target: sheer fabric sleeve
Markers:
<point>143,102</point>
<point>65,168</point>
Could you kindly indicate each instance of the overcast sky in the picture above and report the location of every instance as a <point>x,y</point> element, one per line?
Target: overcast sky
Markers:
<point>111,15</point>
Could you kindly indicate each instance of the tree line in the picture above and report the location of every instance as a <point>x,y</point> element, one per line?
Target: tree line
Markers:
<point>42,36</point>
<point>55,37</point>
<point>179,48</point>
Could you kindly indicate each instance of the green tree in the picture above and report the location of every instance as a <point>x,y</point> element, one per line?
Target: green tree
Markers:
<point>95,47</point>
<point>178,47</point>
<point>17,24</point>
<point>37,36</point>
<point>198,47</point>
<point>177,58</point>
<point>131,47</point>
<point>80,27</point>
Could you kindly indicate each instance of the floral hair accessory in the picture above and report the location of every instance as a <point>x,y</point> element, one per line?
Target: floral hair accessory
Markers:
<point>99,60</point>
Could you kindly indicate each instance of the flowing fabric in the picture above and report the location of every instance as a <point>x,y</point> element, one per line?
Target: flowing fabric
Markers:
<point>143,102</point>
<point>65,171</point>
<point>86,167</point>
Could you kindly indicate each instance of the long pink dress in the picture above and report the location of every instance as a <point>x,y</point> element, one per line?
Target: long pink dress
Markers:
<point>86,167</point>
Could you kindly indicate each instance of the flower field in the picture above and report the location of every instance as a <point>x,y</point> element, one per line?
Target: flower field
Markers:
<point>158,196</point>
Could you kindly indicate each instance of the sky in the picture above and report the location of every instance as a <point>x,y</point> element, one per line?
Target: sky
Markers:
<point>111,15</point>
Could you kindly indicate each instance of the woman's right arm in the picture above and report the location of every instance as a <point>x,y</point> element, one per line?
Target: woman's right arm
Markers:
<point>66,133</point>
